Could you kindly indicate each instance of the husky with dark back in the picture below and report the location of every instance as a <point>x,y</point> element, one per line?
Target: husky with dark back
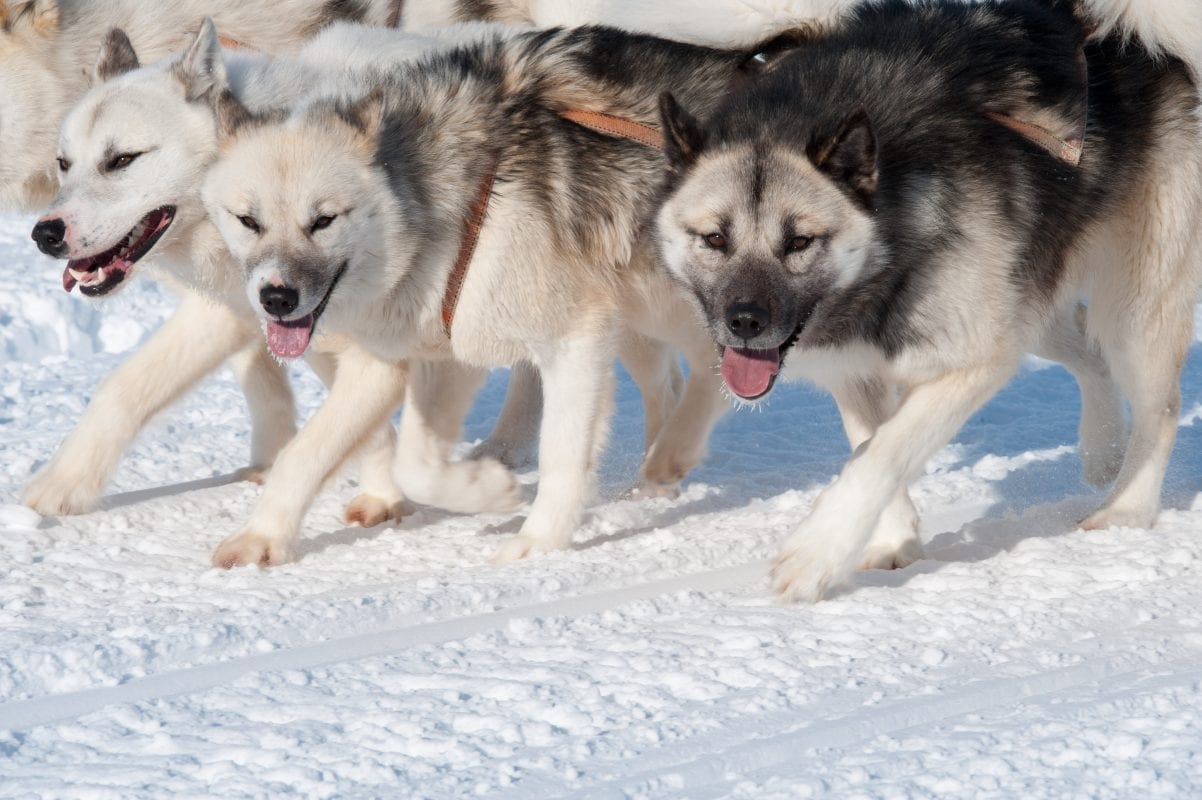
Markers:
<point>896,205</point>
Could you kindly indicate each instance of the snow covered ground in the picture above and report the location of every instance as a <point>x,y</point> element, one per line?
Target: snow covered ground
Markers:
<point>1023,658</point>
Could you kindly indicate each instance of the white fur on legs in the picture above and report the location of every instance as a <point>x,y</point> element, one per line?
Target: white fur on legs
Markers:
<point>683,440</point>
<point>436,402</point>
<point>1103,428</point>
<point>515,435</point>
<point>381,499</point>
<point>655,370</point>
<point>578,384</point>
<point>825,548</point>
<point>1141,311</point>
<point>363,394</point>
<point>864,405</point>
<point>191,344</point>
<point>264,382</point>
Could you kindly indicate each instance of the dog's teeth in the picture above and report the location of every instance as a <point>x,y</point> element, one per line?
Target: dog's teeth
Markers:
<point>77,275</point>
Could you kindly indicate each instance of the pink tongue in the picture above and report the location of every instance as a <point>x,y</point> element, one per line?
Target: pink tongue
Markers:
<point>749,373</point>
<point>290,339</point>
<point>68,280</point>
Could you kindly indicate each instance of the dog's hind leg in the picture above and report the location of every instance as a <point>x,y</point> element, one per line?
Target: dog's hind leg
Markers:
<point>194,341</point>
<point>436,402</point>
<point>363,393</point>
<point>824,550</point>
<point>379,499</point>
<point>1146,335</point>
<point>578,382</point>
<point>683,440</point>
<point>264,382</point>
<point>864,405</point>
<point>515,434</point>
<point>1102,430</point>
<point>1142,298</point>
<point>654,367</point>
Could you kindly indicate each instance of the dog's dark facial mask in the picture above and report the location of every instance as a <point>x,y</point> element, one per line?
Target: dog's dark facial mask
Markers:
<point>757,317</point>
<point>764,235</point>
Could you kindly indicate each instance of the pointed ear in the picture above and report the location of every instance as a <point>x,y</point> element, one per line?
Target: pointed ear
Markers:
<point>850,156</point>
<point>202,69</point>
<point>366,116</point>
<point>683,138</point>
<point>117,57</point>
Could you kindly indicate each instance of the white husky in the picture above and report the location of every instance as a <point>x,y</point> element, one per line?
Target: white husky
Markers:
<point>132,154</point>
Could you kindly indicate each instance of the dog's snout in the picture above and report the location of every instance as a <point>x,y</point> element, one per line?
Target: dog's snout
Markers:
<point>51,237</point>
<point>747,319</point>
<point>279,301</point>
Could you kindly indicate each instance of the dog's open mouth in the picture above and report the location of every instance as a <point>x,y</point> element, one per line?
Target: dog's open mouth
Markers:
<point>100,274</point>
<point>751,374</point>
<point>290,338</point>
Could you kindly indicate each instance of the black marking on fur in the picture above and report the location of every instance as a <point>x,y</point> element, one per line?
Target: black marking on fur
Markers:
<point>473,10</point>
<point>117,56</point>
<point>336,11</point>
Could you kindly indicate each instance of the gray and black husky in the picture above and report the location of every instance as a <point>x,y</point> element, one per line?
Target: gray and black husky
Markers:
<point>898,211</point>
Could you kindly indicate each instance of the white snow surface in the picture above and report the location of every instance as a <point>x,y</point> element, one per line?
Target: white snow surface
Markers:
<point>1022,658</point>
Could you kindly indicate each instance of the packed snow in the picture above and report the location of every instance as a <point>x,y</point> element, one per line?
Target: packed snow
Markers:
<point>1022,657</point>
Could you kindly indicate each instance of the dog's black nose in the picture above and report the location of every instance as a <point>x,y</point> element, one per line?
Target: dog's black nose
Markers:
<point>747,319</point>
<point>279,300</point>
<point>51,237</point>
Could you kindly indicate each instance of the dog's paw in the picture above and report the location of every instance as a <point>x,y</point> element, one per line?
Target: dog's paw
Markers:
<point>1105,518</point>
<point>252,474</point>
<point>249,547</point>
<point>650,489</point>
<point>490,486</point>
<point>465,487</point>
<point>53,494</point>
<point>798,577</point>
<point>368,511</point>
<point>892,555</point>
<point>523,546</point>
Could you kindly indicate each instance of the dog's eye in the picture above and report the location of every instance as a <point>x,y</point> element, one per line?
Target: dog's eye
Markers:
<point>64,164</point>
<point>320,224</point>
<point>250,223</point>
<point>714,241</point>
<point>795,244</point>
<point>120,161</point>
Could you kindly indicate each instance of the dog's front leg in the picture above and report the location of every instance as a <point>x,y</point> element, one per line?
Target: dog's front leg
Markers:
<point>264,382</point>
<point>864,404</point>
<point>380,499</point>
<point>191,344</point>
<point>436,402</point>
<point>825,548</point>
<point>578,383</point>
<point>363,393</point>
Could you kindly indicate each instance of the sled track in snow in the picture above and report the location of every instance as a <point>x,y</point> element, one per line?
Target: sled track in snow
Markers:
<point>691,767</point>
<point>49,709</point>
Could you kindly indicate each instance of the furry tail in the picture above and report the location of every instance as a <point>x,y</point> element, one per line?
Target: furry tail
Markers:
<point>1163,26</point>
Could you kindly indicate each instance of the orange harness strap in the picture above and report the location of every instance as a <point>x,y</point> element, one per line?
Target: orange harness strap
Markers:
<point>467,247</point>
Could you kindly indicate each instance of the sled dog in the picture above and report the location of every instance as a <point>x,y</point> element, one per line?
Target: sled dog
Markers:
<point>923,195</point>
<point>131,157</point>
